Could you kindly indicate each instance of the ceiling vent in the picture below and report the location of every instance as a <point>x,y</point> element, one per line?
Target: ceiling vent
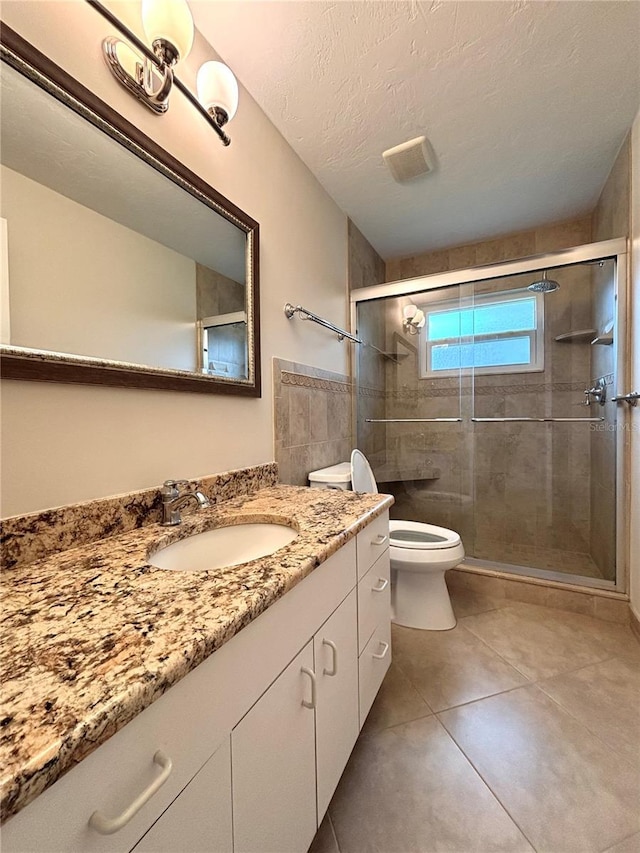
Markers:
<point>409,160</point>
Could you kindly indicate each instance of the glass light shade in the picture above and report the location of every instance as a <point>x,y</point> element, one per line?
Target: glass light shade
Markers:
<point>409,311</point>
<point>169,20</point>
<point>217,87</point>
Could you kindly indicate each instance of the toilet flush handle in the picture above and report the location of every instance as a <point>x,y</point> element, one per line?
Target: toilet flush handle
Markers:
<point>379,540</point>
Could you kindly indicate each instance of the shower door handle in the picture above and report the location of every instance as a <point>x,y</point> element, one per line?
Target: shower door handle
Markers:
<point>631,398</point>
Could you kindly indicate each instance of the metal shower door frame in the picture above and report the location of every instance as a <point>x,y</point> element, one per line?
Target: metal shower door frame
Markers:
<point>603,250</point>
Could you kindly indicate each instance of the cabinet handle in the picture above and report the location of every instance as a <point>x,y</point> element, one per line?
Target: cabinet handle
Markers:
<point>384,652</point>
<point>312,676</point>
<point>334,668</point>
<point>379,540</point>
<point>107,826</point>
<point>384,584</point>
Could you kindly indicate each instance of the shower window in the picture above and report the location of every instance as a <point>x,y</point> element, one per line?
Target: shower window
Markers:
<point>497,333</point>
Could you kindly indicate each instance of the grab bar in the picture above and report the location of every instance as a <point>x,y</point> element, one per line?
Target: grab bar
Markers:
<point>413,420</point>
<point>535,420</point>
<point>290,310</point>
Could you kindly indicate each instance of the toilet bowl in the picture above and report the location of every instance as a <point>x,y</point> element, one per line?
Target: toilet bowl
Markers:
<point>420,555</point>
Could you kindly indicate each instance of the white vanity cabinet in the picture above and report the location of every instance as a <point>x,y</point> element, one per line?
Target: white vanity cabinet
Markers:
<point>274,765</point>
<point>200,819</point>
<point>258,734</point>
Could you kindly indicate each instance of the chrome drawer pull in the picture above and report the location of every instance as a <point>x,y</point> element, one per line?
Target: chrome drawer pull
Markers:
<point>384,584</point>
<point>334,668</point>
<point>312,676</point>
<point>107,826</point>
<point>379,540</point>
<point>386,649</point>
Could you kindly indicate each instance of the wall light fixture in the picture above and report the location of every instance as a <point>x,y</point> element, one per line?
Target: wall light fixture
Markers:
<point>413,319</point>
<point>148,73</point>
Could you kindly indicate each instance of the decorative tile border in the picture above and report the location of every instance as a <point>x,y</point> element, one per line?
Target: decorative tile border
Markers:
<point>304,381</point>
<point>507,390</point>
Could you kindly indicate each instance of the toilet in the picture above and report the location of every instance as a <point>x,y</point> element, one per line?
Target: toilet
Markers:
<point>420,554</point>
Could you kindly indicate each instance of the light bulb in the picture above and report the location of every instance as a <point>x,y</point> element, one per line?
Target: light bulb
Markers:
<point>169,21</point>
<point>217,88</point>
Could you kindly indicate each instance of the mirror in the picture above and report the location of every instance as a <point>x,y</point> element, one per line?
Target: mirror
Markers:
<point>124,268</point>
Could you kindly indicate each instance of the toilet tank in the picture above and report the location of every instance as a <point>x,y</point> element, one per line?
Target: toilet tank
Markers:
<point>334,477</point>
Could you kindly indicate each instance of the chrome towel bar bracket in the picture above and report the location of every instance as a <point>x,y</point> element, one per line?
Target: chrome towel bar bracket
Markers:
<point>290,310</point>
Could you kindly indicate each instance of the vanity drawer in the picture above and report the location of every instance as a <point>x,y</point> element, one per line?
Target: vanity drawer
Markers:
<point>114,776</point>
<point>374,599</point>
<point>373,665</point>
<point>372,542</point>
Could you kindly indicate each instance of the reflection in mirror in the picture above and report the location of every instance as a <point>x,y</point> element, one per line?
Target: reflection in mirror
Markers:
<point>110,260</point>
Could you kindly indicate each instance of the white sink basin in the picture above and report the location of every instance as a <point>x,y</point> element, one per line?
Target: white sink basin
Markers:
<point>223,546</point>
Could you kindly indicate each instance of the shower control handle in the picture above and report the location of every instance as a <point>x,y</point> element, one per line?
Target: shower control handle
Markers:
<point>631,398</point>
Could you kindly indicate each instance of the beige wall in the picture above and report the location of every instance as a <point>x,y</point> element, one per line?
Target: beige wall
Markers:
<point>92,286</point>
<point>634,384</point>
<point>63,444</point>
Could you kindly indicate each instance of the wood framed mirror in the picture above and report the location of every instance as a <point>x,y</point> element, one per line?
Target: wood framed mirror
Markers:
<point>120,266</point>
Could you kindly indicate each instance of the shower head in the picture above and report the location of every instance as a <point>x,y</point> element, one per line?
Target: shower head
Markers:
<point>543,285</point>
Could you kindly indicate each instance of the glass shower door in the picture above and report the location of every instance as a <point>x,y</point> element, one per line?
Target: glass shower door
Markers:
<point>414,429</point>
<point>544,426</point>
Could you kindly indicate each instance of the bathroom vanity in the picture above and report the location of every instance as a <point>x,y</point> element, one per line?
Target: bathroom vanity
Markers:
<point>274,664</point>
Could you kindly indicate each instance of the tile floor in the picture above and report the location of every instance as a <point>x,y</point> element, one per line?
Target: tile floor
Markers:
<point>519,730</point>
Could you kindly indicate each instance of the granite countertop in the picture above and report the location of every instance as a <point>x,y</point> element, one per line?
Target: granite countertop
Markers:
<point>93,635</point>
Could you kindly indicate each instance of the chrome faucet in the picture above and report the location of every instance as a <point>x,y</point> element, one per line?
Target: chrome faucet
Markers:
<point>173,500</point>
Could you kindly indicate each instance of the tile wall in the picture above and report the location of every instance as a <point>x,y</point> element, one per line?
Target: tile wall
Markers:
<point>522,244</point>
<point>518,493</point>
<point>610,219</point>
<point>312,410</point>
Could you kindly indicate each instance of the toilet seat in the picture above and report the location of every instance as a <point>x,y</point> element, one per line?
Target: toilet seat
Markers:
<point>420,536</point>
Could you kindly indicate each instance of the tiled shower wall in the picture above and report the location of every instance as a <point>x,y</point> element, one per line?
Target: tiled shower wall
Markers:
<point>312,411</point>
<point>522,244</point>
<point>549,492</point>
<point>516,492</point>
<point>610,219</point>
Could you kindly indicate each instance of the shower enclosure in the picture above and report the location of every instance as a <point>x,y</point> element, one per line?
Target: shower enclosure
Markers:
<point>485,405</point>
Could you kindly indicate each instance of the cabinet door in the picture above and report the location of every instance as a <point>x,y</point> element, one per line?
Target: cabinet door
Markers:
<point>336,663</point>
<point>274,766</point>
<point>199,819</point>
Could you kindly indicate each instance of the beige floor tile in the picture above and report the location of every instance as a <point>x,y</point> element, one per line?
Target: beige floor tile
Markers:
<point>397,702</point>
<point>467,602</point>
<point>629,845</point>
<point>542,642</point>
<point>409,788</point>
<point>449,668</point>
<point>605,697</point>
<point>564,788</point>
<point>325,840</point>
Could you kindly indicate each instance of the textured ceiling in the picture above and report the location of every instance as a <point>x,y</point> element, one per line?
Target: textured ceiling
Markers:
<point>525,104</point>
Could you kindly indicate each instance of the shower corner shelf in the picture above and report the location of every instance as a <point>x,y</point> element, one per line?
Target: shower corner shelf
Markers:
<point>578,335</point>
<point>395,356</point>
